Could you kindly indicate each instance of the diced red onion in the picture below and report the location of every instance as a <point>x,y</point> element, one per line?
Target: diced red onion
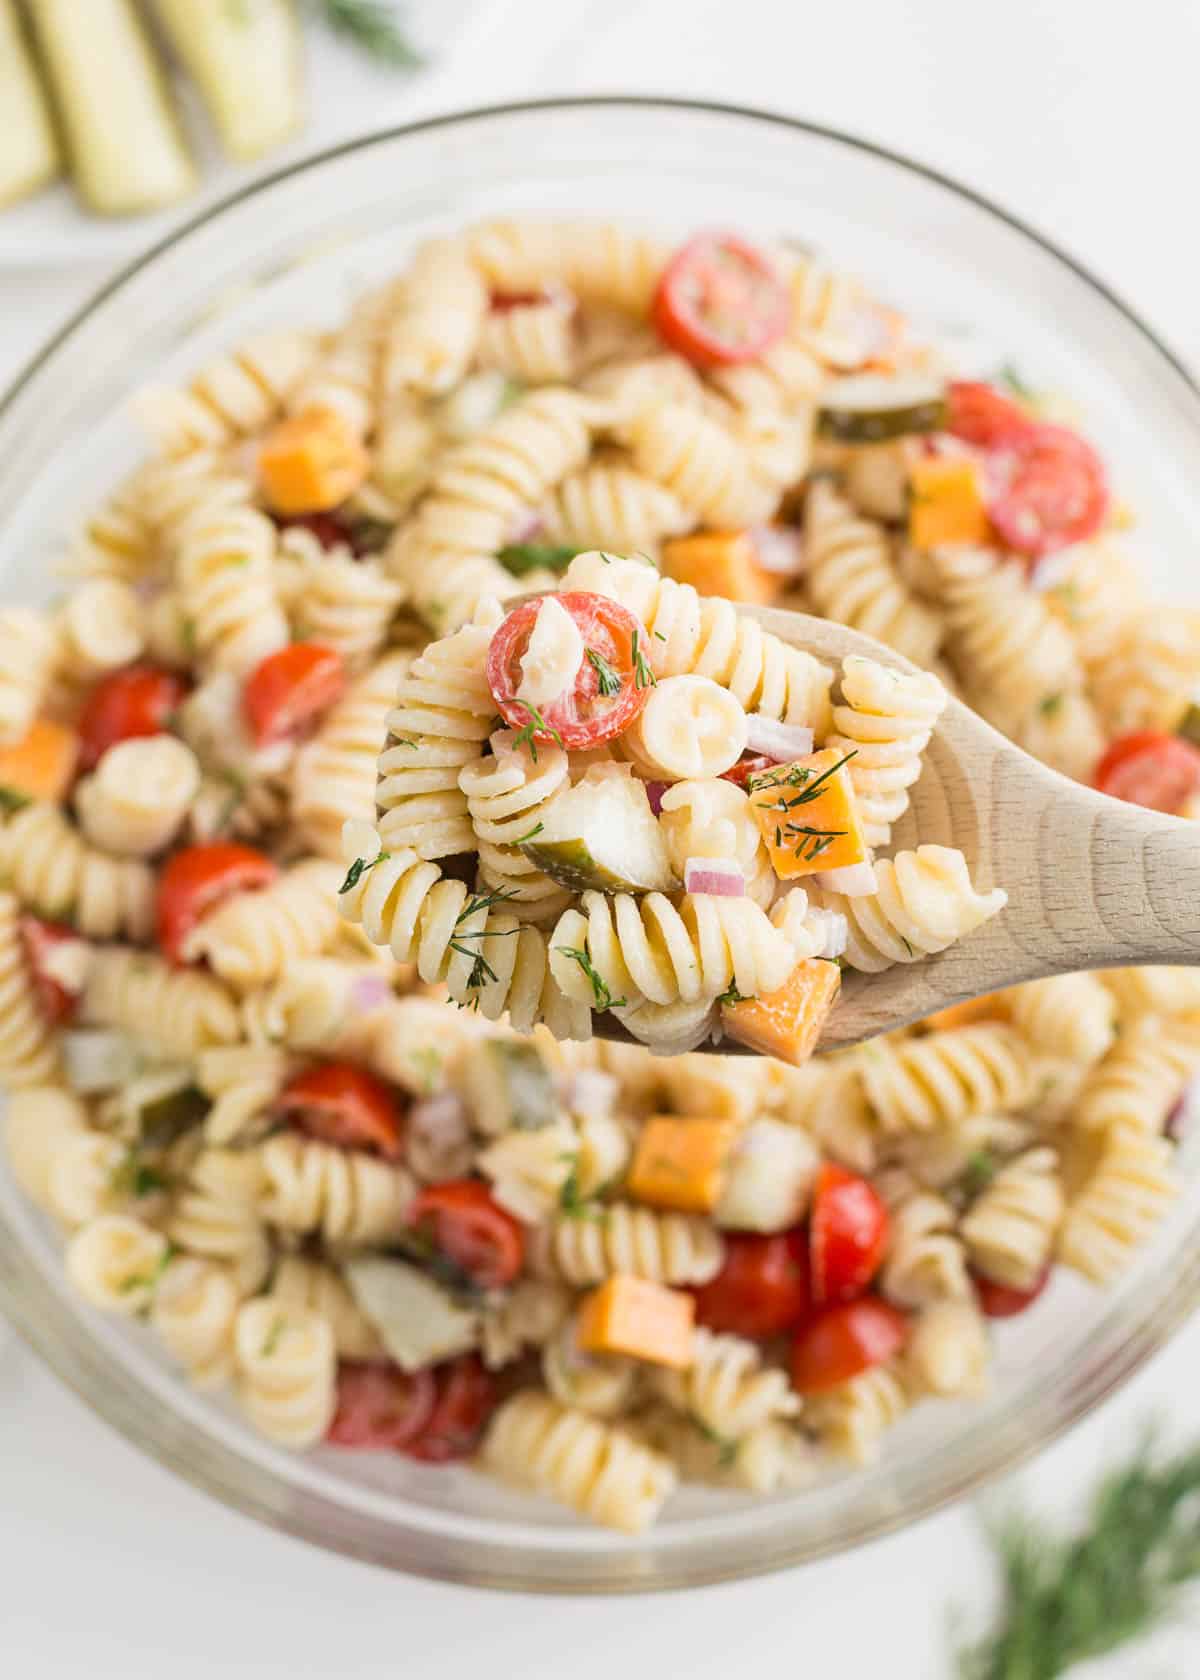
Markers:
<point>654,793</point>
<point>368,992</point>
<point>780,741</point>
<point>1180,1114</point>
<point>855,880</point>
<point>778,549</point>
<point>526,529</point>
<point>832,929</point>
<point>440,1120</point>
<point>717,877</point>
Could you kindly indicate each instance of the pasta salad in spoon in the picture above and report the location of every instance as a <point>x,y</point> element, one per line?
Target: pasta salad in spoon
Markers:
<point>459,579</point>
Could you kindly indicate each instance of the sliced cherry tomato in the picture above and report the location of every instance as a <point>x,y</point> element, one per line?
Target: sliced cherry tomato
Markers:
<point>750,764</point>
<point>981,415</point>
<point>290,689</point>
<point>56,1001</point>
<point>848,1233</point>
<point>379,1405</point>
<point>471,1229</point>
<point>1149,768</point>
<point>346,1106</point>
<point>126,706</point>
<point>583,717</point>
<point>195,880</point>
<point>1048,489</point>
<point>720,301</point>
<point>843,1341</point>
<point>762,1289</point>
<point>466,1399</point>
<point>998,1300</point>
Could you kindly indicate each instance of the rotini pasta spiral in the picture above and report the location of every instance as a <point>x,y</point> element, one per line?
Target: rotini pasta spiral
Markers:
<point>193,1311</point>
<point>526,1315</point>
<point>101,626</point>
<point>311,1285</point>
<point>529,1169</point>
<point>885,719</point>
<point>29,651</point>
<point>948,1352</point>
<point>346,1195</point>
<point>669,1248</point>
<point>852,1420</point>
<point>344,376</point>
<point>602,1385</point>
<point>286,1371</point>
<point>224,570</point>
<point>53,870</point>
<point>1147,681</point>
<point>83,1179</point>
<point>333,774</point>
<point>136,800</point>
<point>852,578</point>
<point>924,900</point>
<point>336,600</point>
<point>1139,1079</point>
<point>925,1260</point>
<point>919,1084</point>
<point>435,329</point>
<point>1009,1229</point>
<point>115,539</point>
<point>115,1262</point>
<point>940,1158</point>
<point>175,1012</point>
<point>236,394</point>
<point>701,462</point>
<point>29,1053</point>
<point>533,342</point>
<point>1095,592</point>
<point>727,1388</point>
<point>216,1214</point>
<point>251,938</point>
<point>709,637</point>
<point>1126,1195</point>
<point>243,1081</point>
<point>1153,991</point>
<point>1069,1015</point>
<point>39,1121</point>
<point>193,488</point>
<point>507,796</point>
<point>609,505</point>
<point>601,262</point>
<point>777,1458</point>
<point>594,1467</point>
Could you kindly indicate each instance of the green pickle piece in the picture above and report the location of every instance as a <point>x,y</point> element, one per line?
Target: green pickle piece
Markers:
<point>603,835</point>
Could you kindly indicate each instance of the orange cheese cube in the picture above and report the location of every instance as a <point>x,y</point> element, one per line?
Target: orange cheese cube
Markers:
<point>720,563</point>
<point>947,503</point>
<point>680,1164</point>
<point>42,764</point>
<point>787,1023</point>
<point>311,462</point>
<point>990,1007</point>
<point>808,815</point>
<point>641,1320</point>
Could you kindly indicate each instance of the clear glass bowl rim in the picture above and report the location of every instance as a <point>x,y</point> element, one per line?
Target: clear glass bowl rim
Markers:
<point>249,1486</point>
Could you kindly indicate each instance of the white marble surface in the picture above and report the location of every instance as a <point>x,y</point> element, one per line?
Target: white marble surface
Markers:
<point>1082,118</point>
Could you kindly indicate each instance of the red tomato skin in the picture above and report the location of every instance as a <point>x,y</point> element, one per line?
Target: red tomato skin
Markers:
<point>678,323</point>
<point>128,705</point>
<point>345,1106</point>
<point>1050,489</point>
<point>500,303</point>
<point>289,690</point>
<point>998,1300</point>
<point>1150,768</point>
<point>471,1228</point>
<point>466,1399</point>
<point>606,626</point>
<point>379,1405</point>
<point>762,1288</point>
<point>840,1342</point>
<point>750,764</point>
<point>848,1234</point>
<point>57,1004</point>
<point>983,416</point>
<point>195,880</point>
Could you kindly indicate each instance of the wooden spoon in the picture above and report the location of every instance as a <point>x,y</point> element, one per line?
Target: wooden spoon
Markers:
<point>1092,882</point>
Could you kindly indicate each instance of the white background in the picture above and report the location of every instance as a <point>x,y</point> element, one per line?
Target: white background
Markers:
<point>1080,115</point>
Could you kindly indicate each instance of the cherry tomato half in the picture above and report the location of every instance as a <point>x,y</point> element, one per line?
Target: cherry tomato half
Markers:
<point>56,1001</point>
<point>584,717</point>
<point>345,1106</point>
<point>750,764</point>
<point>847,1233</point>
<point>466,1399</point>
<point>1149,768</point>
<point>471,1229</point>
<point>195,880</point>
<point>290,689</point>
<point>720,301</point>
<point>762,1289</point>
<point>379,1405</point>
<point>1048,489</point>
<point>843,1341</point>
<point>999,1300</point>
<point>981,415</point>
<point>128,705</point>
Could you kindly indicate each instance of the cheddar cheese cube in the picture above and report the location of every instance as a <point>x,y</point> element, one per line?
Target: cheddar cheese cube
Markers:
<point>720,563</point>
<point>787,1023</point>
<point>42,764</point>
<point>946,503</point>
<point>310,462</point>
<point>808,815</point>
<point>639,1319</point>
<point>680,1163</point>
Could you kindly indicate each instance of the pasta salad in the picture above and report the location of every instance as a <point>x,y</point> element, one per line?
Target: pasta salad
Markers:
<point>235,1082</point>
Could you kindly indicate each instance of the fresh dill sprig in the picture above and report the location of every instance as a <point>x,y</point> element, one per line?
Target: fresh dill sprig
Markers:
<point>357,870</point>
<point>524,737</point>
<point>979,1171</point>
<point>1067,1600</point>
<point>796,776</point>
<point>531,835</point>
<point>403,741</point>
<point>727,1448</point>
<point>813,841</point>
<point>572,1202</point>
<point>482,902</point>
<point>520,558</point>
<point>604,998</point>
<point>643,676</point>
<point>607,679</point>
<point>273,1336</point>
<point>148,1280</point>
<point>373,27</point>
<point>732,996</point>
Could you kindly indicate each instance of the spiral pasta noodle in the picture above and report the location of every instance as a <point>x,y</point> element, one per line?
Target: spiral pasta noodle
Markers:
<point>1066,1015</point>
<point>671,1248</point>
<point>1125,1197</point>
<point>1147,681</point>
<point>28,657</point>
<point>885,719</point>
<point>435,328</point>
<point>1139,1079</point>
<point>532,342</point>
<point>602,1385</point>
<point>1009,1230</point>
<point>193,1312</point>
<point>29,1053</point>
<point>286,1371</point>
<point>114,1262</point>
<point>527,1315</point>
<point>925,1259</point>
<point>216,1214</point>
<point>53,870</point>
<point>948,1352</point>
<point>114,540</point>
<point>529,1170</point>
<point>315,1287</point>
<point>348,1196</point>
<point>507,796</point>
<point>243,1082</point>
<point>727,1388</point>
<point>777,1458</point>
<point>38,1121</point>
<point>224,569</point>
<point>853,579</point>
<point>344,376</point>
<point>136,800</point>
<point>251,938</point>
<point>608,503</point>
<point>920,1084</point>
<point>602,262</point>
<point>1156,990</point>
<point>236,394</point>
<point>339,602</point>
<point>332,777</point>
<point>852,1420</point>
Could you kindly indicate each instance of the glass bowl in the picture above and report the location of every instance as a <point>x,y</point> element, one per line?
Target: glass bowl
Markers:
<point>294,248</point>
